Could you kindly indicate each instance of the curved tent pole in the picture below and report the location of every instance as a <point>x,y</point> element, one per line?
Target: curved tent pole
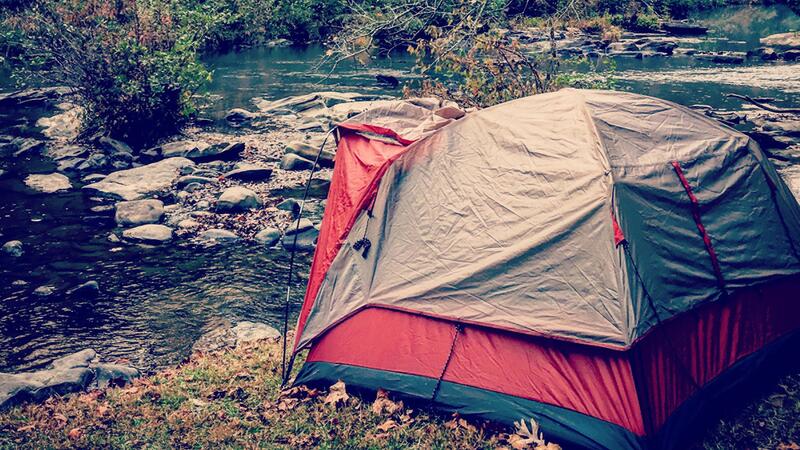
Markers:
<point>286,306</point>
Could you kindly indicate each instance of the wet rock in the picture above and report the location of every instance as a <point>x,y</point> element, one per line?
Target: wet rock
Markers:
<point>31,97</point>
<point>181,148</point>
<point>789,40</point>
<point>44,291</point>
<point>239,115</point>
<point>119,154</point>
<point>149,234</point>
<point>193,187</point>
<point>684,29</point>
<point>268,236</point>
<point>309,102</point>
<point>309,152</point>
<point>224,151</point>
<point>250,173</point>
<point>387,80</point>
<point>186,180</point>
<point>96,162</point>
<point>722,57</point>
<point>24,146</point>
<point>69,164</point>
<point>139,182</point>
<point>149,155</point>
<point>290,161</point>
<point>224,338</point>
<point>765,53</point>
<point>139,212</point>
<point>48,183</point>
<point>86,290</point>
<point>237,198</point>
<point>113,238</point>
<point>79,359</point>
<point>303,241</point>
<point>218,235</point>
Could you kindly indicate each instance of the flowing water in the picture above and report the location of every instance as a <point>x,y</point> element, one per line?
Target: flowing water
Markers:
<point>155,302</point>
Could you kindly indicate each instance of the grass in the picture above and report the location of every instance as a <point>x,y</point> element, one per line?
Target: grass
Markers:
<point>232,399</point>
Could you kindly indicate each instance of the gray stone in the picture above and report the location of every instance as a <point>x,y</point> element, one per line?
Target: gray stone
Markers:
<point>250,173</point>
<point>188,224</point>
<point>149,234</point>
<point>69,164</point>
<point>290,205</point>
<point>44,291</point>
<point>186,180</point>
<point>48,183</point>
<point>268,236</point>
<point>182,148</point>
<point>79,359</point>
<point>65,125</point>
<point>299,225</point>
<point>85,290</point>
<point>290,161</point>
<point>228,337</point>
<point>139,182</point>
<point>239,115</point>
<point>303,241</point>
<point>223,151</point>
<point>27,145</point>
<point>791,55</point>
<point>96,162</point>
<point>139,212</point>
<point>113,238</point>
<point>218,235</point>
<point>192,187</point>
<point>236,199</point>
<point>203,204</point>
<point>106,375</point>
<point>13,248</point>
<point>309,152</point>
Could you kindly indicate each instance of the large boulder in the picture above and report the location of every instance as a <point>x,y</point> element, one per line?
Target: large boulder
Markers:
<point>789,40</point>
<point>237,199</point>
<point>48,183</point>
<point>139,212</point>
<point>139,182</point>
<point>149,234</point>
<point>65,125</point>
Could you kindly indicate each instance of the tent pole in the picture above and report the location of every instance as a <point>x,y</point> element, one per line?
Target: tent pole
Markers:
<point>286,304</point>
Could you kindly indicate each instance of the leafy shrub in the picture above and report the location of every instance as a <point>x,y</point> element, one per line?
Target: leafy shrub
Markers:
<point>132,67</point>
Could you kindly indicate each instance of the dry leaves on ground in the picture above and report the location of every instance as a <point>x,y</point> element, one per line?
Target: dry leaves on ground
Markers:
<point>337,395</point>
<point>384,405</point>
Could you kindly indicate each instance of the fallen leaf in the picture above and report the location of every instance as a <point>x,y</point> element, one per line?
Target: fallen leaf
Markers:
<point>383,405</point>
<point>388,425</point>
<point>198,402</point>
<point>337,394</point>
<point>60,417</point>
<point>75,434</point>
<point>26,428</point>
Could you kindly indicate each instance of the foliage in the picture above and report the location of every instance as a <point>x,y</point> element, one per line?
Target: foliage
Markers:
<point>233,400</point>
<point>133,69</point>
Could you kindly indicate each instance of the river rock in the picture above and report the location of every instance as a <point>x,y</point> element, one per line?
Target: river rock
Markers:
<point>95,162</point>
<point>237,198</point>
<point>69,164</point>
<point>44,291</point>
<point>290,161</point>
<point>119,154</point>
<point>139,212</point>
<point>309,152</point>
<point>69,374</point>
<point>303,241</point>
<point>290,205</point>
<point>309,102</point>
<point>139,182</point>
<point>782,40</point>
<point>224,338</point>
<point>268,236</point>
<point>93,178</point>
<point>85,290</point>
<point>765,53</point>
<point>188,224</point>
<point>149,234</point>
<point>791,55</point>
<point>186,180</point>
<point>181,148</point>
<point>48,183</point>
<point>25,146</point>
<point>299,225</point>
<point>239,115</point>
<point>34,96</point>
<point>249,173</point>
<point>66,125</point>
<point>218,235</point>
<point>224,151</point>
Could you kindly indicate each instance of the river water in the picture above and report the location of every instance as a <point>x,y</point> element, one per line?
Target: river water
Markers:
<point>155,302</point>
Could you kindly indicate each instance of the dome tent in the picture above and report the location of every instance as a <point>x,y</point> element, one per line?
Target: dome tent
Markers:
<point>610,264</point>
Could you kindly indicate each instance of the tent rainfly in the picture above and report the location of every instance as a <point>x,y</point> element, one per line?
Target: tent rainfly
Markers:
<point>615,266</point>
